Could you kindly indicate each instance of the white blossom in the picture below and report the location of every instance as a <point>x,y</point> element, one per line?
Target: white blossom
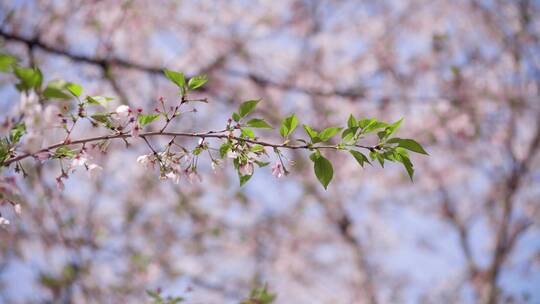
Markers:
<point>175,177</point>
<point>28,100</point>
<point>246,169</point>
<point>3,221</point>
<point>232,154</point>
<point>32,142</point>
<point>216,163</point>
<point>18,209</point>
<point>79,160</point>
<point>146,161</point>
<point>94,170</point>
<point>123,111</point>
<point>50,115</point>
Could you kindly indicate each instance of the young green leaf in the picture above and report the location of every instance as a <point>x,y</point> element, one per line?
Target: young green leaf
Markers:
<point>146,119</point>
<point>74,89</point>
<point>29,78</point>
<point>101,117</point>
<point>63,151</point>
<point>360,157</point>
<point>261,163</point>
<point>391,129</point>
<point>244,179</point>
<point>197,82</point>
<point>328,133</point>
<point>224,148</point>
<point>7,62</point>
<point>312,133</point>
<point>323,170</point>
<point>258,123</point>
<point>247,132</point>
<point>351,122</point>
<point>348,134</point>
<point>55,90</point>
<point>17,132</point>
<point>404,159</point>
<point>257,148</point>
<point>409,144</point>
<point>371,125</point>
<point>247,107</point>
<point>176,77</point>
<point>98,100</point>
<point>288,125</point>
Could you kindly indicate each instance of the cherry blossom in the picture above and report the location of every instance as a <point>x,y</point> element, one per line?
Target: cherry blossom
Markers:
<point>277,170</point>
<point>3,221</point>
<point>246,169</point>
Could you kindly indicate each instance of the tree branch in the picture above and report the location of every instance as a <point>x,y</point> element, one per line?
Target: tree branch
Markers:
<point>209,134</point>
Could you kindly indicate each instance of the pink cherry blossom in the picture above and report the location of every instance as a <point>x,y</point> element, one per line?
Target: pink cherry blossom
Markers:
<point>135,130</point>
<point>246,169</point>
<point>277,170</point>
<point>41,156</point>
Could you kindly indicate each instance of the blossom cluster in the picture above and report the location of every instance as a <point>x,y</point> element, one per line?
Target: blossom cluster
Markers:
<point>239,143</point>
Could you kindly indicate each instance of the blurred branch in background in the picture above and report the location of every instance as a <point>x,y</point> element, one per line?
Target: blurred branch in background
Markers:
<point>464,74</point>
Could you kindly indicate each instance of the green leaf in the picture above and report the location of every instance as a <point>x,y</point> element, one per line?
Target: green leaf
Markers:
<point>312,133</point>
<point>260,296</point>
<point>380,158</point>
<point>258,123</point>
<point>17,132</point>
<point>351,122</point>
<point>409,144</point>
<point>29,78</point>
<point>74,89</point>
<point>323,170</point>
<point>261,163</point>
<point>63,151</point>
<point>371,125</point>
<point>391,129</point>
<point>247,132</point>
<point>247,107</point>
<point>197,82</point>
<point>377,156</point>
<point>236,117</point>
<point>4,150</point>
<point>176,77</point>
<point>224,148</point>
<point>7,62</point>
<point>244,178</point>
<point>98,100</point>
<point>288,125</point>
<point>404,159</point>
<point>101,117</point>
<point>360,157</point>
<point>348,134</point>
<point>146,119</point>
<point>257,148</point>
<point>55,90</point>
<point>313,156</point>
<point>328,133</point>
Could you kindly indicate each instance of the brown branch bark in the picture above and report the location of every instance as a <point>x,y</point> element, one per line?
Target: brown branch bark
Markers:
<point>210,134</point>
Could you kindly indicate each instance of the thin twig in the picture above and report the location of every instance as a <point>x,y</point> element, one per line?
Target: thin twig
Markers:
<point>209,134</point>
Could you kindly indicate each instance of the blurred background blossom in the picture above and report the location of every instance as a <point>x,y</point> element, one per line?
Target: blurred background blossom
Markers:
<point>464,74</point>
